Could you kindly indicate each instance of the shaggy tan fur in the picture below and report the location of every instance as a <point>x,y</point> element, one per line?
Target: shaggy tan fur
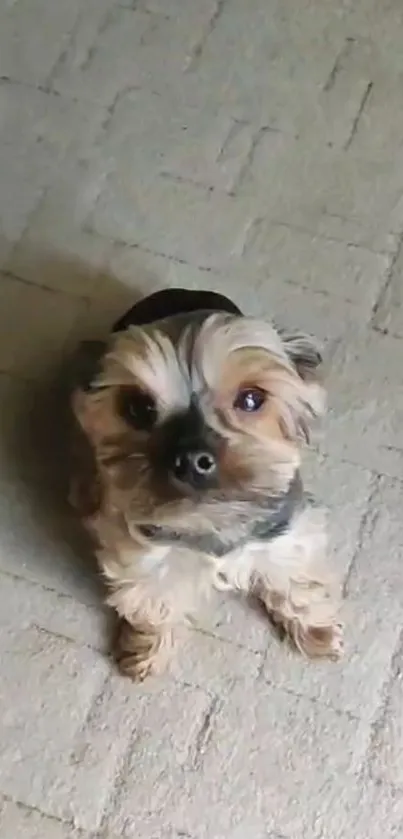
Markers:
<point>155,587</point>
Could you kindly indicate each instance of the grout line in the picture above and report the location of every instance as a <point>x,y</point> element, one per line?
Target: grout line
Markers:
<point>329,238</point>
<point>44,286</point>
<point>103,24</point>
<point>77,832</point>
<point>366,526</point>
<point>60,594</point>
<point>203,736</point>
<point>386,285</point>
<point>43,88</point>
<point>40,88</point>
<point>197,51</point>
<point>358,115</point>
<point>313,700</point>
<point>338,64</point>
<point>67,639</point>
<point>380,713</point>
<point>180,179</point>
<point>249,156</point>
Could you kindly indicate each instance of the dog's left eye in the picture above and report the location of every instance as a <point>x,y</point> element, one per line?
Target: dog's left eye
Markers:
<point>137,408</point>
<point>250,399</point>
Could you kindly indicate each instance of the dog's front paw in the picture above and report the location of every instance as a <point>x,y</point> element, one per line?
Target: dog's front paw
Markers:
<point>140,653</point>
<point>319,641</point>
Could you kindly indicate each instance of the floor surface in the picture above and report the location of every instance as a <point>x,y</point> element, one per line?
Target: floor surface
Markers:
<point>254,147</point>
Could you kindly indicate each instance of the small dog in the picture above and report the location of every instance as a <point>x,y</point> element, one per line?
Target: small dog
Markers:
<point>192,420</point>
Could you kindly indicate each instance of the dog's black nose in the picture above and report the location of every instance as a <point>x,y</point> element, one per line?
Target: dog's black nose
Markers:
<point>195,467</point>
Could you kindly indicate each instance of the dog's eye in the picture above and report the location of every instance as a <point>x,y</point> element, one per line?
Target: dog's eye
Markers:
<point>137,408</point>
<point>250,399</point>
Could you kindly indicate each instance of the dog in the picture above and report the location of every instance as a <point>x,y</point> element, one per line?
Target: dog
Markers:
<point>190,424</point>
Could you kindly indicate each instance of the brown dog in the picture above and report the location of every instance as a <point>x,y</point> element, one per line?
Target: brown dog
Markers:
<point>194,418</point>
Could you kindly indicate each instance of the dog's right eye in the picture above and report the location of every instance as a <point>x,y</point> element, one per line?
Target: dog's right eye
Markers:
<point>137,408</point>
<point>250,399</point>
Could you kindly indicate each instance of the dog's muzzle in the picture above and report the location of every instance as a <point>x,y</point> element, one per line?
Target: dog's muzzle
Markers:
<point>188,450</point>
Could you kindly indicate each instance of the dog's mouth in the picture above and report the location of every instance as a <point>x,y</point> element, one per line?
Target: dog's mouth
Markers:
<point>269,520</point>
<point>205,542</point>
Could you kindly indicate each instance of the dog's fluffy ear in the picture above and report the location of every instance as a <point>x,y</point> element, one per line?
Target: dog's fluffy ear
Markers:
<point>305,354</point>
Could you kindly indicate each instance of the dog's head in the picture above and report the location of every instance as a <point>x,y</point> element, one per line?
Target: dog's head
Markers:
<point>199,409</point>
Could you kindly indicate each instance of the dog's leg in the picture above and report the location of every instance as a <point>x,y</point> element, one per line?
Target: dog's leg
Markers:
<point>145,633</point>
<point>291,578</point>
<point>155,593</point>
<point>307,615</point>
<point>142,648</point>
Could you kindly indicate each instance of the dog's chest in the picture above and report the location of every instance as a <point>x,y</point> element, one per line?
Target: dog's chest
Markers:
<point>178,567</point>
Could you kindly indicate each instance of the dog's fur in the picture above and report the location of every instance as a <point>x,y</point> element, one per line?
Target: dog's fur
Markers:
<point>162,546</point>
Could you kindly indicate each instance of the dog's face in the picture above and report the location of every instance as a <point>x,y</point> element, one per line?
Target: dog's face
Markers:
<point>197,410</point>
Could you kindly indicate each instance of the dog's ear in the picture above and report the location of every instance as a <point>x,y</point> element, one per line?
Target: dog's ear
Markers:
<point>305,354</point>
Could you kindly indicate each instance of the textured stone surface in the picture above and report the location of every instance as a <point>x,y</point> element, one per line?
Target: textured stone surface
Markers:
<point>260,769</point>
<point>18,820</point>
<point>56,685</point>
<point>54,612</point>
<point>39,541</point>
<point>216,225</point>
<point>55,251</point>
<point>377,572</point>
<point>387,738</point>
<point>125,50</point>
<point>170,734</point>
<point>39,134</point>
<point>28,51</point>
<point>318,264</point>
<point>34,326</point>
<point>365,386</point>
<point>252,148</point>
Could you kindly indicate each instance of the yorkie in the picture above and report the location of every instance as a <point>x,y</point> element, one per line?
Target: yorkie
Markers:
<point>191,420</point>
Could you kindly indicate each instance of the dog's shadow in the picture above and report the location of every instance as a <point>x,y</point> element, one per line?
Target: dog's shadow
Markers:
<point>42,539</point>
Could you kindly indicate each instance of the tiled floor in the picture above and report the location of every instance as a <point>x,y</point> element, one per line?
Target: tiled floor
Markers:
<point>251,147</point>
